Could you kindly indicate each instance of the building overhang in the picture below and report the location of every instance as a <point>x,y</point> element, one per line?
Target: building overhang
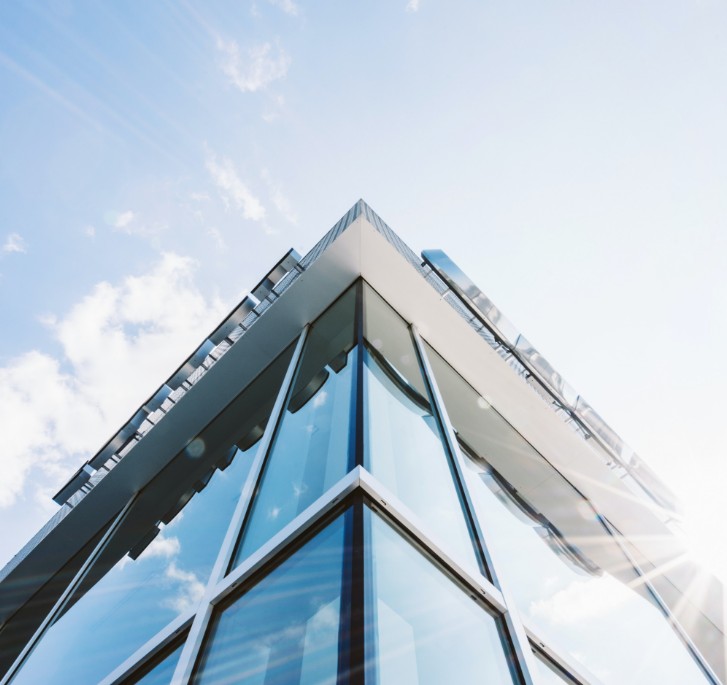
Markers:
<point>359,251</point>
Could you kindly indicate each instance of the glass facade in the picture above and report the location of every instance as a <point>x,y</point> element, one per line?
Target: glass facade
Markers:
<point>137,598</point>
<point>285,629</point>
<point>311,449</point>
<point>446,637</point>
<point>598,613</point>
<point>403,444</point>
<point>293,626</point>
<point>458,545</point>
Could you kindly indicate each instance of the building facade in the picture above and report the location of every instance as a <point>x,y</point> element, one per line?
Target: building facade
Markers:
<point>363,475</point>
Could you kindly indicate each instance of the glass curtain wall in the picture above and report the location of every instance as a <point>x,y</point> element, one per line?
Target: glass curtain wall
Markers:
<point>156,565</point>
<point>356,598</point>
<point>312,447</point>
<point>426,629</point>
<point>138,597</point>
<point>403,444</point>
<point>566,573</point>
<point>380,417</point>
<point>284,629</point>
<point>296,625</point>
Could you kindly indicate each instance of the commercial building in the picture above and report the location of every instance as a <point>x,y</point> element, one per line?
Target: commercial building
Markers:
<point>364,474</point>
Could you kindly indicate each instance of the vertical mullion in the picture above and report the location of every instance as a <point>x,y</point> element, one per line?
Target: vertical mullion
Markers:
<point>351,630</point>
<point>523,652</point>
<point>661,604</point>
<point>351,633</point>
<point>193,644</point>
<point>67,593</point>
<point>358,618</point>
<point>357,456</point>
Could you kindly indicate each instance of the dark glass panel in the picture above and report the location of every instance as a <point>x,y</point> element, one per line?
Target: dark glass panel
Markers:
<point>427,630</point>
<point>310,452</point>
<point>285,629</point>
<point>402,441</point>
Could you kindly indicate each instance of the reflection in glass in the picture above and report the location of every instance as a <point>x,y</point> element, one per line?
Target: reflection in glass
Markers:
<point>589,612</point>
<point>161,673</point>
<point>136,599</point>
<point>310,452</point>
<point>402,443</point>
<point>544,537</point>
<point>427,631</point>
<point>284,630</point>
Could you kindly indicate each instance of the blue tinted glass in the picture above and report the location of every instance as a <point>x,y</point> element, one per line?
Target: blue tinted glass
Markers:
<point>136,599</point>
<point>402,443</point>
<point>427,631</point>
<point>310,452</point>
<point>284,630</point>
<point>162,672</point>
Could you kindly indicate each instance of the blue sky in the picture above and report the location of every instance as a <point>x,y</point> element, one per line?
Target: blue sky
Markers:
<point>157,158</point>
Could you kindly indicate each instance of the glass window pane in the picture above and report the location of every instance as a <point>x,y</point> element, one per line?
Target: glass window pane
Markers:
<point>565,572</point>
<point>310,452</point>
<point>21,626</point>
<point>124,602</point>
<point>136,599</point>
<point>160,673</point>
<point>402,442</point>
<point>285,629</point>
<point>427,631</point>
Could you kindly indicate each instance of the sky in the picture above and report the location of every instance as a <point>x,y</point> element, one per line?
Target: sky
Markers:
<point>157,158</point>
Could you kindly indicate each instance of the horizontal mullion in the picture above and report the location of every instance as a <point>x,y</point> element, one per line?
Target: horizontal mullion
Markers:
<point>150,649</point>
<point>392,506</point>
<point>291,533</point>
<point>559,656</point>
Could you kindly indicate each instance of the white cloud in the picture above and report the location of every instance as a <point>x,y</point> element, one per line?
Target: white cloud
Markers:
<point>288,6</point>
<point>14,243</point>
<point>216,236</point>
<point>123,219</point>
<point>190,592</point>
<point>280,201</point>
<point>260,66</point>
<point>233,190</point>
<point>412,6</point>
<point>162,547</point>
<point>581,600</point>
<point>118,343</point>
<point>89,231</point>
<point>320,399</point>
<point>274,108</point>
<point>128,222</point>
